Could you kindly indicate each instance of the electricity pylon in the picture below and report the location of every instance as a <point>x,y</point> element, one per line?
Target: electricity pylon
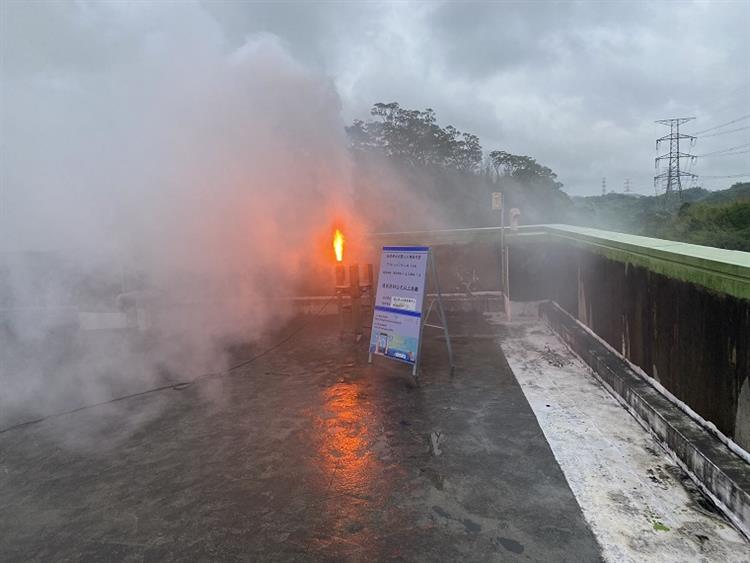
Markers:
<point>673,175</point>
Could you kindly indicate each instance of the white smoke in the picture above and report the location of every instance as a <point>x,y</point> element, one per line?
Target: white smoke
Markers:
<point>137,146</point>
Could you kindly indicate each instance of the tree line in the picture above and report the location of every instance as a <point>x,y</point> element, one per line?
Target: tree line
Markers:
<point>450,169</point>
<point>462,174</point>
<point>414,137</point>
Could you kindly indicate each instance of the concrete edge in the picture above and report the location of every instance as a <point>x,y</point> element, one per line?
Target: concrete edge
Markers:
<point>480,301</point>
<point>720,473</point>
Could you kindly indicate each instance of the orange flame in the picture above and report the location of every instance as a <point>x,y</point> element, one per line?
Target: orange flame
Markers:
<point>338,245</point>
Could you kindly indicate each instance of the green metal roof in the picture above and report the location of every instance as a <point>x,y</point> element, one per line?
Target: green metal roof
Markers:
<point>724,271</point>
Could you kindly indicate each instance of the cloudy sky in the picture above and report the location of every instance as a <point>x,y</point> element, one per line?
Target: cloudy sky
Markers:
<point>577,85</point>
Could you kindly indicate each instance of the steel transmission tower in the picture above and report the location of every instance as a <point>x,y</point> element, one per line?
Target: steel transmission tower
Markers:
<point>672,177</point>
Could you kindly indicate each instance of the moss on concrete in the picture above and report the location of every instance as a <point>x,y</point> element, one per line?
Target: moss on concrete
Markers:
<point>720,270</point>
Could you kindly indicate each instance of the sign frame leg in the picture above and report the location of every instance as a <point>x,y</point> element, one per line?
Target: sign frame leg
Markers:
<point>441,312</point>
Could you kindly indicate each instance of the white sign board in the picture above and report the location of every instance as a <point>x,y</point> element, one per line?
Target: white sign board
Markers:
<point>497,200</point>
<point>397,317</point>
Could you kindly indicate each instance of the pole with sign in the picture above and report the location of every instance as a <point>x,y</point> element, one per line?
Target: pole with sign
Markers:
<point>399,315</point>
<point>497,205</point>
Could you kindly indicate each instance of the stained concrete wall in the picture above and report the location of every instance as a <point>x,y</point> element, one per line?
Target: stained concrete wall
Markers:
<point>693,340</point>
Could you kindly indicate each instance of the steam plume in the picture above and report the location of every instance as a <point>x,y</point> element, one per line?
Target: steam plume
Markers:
<point>153,162</point>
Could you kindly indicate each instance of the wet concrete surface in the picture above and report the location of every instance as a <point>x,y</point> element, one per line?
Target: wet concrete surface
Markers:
<point>641,506</point>
<point>309,453</point>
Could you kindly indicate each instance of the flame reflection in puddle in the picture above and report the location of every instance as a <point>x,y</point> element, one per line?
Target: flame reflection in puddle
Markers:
<point>347,438</point>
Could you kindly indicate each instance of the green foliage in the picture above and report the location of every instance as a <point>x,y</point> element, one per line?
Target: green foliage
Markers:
<point>414,137</point>
<point>524,169</point>
<point>739,191</point>
<point>720,219</point>
<point>444,165</point>
<point>724,225</point>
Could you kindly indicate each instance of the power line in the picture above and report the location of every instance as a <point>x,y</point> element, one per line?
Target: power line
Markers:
<point>725,150</point>
<point>724,154</point>
<point>743,175</point>
<point>722,125</point>
<point>725,132</point>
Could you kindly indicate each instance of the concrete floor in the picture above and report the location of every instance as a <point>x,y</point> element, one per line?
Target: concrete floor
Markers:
<point>306,454</point>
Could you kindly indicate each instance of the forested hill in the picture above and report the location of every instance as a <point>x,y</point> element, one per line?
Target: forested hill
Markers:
<point>712,218</point>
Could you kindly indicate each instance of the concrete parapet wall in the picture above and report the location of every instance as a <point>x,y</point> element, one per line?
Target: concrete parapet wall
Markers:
<point>723,271</point>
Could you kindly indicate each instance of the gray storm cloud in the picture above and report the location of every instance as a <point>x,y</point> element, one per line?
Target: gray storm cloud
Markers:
<point>576,85</point>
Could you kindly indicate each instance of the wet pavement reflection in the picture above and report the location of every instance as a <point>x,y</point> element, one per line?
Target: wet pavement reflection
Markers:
<point>309,454</point>
<point>346,432</point>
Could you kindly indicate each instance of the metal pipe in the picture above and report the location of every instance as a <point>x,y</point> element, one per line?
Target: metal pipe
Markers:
<point>355,294</point>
